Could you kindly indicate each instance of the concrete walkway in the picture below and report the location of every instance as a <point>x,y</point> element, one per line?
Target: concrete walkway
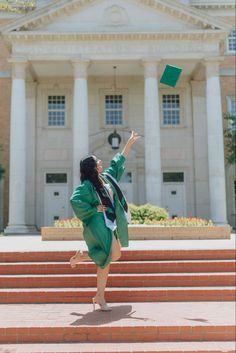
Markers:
<point>15,243</point>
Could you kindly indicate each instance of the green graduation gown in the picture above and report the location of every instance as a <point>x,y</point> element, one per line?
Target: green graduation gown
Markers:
<point>97,236</point>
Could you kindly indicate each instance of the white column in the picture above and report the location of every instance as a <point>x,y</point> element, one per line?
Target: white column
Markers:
<point>17,217</point>
<point>215,144</point>
<point>80,117</point>
<point>153,179</point>
<point>200,152</point>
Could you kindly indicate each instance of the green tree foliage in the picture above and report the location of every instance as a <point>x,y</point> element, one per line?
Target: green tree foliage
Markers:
<point>230,138</point>
<point>17,6</point>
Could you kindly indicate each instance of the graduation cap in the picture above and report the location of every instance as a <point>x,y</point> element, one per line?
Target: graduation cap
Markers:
<point>170,75</point>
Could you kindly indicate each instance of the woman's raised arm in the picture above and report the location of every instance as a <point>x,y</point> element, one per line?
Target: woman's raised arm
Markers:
<point>133,138</point>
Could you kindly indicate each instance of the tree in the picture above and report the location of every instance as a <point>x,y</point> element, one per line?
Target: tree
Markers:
<point>17,6</point>
<point>230,138</point>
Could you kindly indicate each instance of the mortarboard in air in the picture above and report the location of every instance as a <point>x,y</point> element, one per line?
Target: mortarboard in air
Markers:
<point>170,75</point>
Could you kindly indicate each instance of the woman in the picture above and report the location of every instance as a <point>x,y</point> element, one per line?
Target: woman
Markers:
<point>100,205</point>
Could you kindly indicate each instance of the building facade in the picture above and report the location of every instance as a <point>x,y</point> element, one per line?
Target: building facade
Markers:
<point>72,72</point>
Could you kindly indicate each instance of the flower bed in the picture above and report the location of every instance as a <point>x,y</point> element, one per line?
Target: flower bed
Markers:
<point>169,222</point>
<point>177,228</point>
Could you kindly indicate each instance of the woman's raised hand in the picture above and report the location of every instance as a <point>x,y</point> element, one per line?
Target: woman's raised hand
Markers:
<point>134,137</point>
<point>101,208</point>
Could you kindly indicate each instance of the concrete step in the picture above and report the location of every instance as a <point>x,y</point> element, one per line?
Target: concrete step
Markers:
<point>177,266</point>
<point>127,255</point>
<point>119,280</point>
<point>136,347</point>
<point>114,294</point>
<point>133,322</point>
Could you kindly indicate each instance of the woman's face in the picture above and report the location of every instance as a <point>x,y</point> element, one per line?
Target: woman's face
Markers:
<point>99,165</point>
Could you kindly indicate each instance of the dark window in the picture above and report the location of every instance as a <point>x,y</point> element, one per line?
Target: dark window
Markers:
<point>52,178</point>
<point>173,177</point>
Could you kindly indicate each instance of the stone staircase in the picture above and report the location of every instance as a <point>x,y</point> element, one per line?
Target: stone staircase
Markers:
<point>162,300</point>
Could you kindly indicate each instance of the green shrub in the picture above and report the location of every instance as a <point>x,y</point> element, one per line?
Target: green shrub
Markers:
<point>147,214</point>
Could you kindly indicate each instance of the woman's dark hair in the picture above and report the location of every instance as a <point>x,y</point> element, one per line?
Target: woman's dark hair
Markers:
<point>88,171</point>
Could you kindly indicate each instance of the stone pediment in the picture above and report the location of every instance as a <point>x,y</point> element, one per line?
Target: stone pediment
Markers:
<point>114,16</point>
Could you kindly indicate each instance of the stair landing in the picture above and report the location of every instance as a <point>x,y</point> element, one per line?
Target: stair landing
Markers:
<point>127,322</point>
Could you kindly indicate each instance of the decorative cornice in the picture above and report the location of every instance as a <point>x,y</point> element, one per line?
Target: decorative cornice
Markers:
<point>205,5</point>
<point>173,8</point>
<point>186,13</point>
<point>195,35</point>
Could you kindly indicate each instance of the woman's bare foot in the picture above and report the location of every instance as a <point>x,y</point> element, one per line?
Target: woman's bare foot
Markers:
<point>78,257</point>
<point>101,302</point>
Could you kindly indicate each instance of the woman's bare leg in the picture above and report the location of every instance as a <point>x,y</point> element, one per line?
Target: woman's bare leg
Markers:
<point>102,273</point>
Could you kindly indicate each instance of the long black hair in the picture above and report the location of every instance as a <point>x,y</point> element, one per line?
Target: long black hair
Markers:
<point>88,171</point>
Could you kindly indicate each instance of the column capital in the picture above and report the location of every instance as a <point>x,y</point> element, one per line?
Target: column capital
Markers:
<point>80,67</point>
<point>150,67</point>
<point>19,65</point>
<point>212,66</point>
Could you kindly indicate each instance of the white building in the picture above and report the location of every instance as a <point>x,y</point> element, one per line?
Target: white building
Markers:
<point>65,104</point>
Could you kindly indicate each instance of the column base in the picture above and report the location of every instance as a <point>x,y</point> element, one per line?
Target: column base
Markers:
<point>20,229</point>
